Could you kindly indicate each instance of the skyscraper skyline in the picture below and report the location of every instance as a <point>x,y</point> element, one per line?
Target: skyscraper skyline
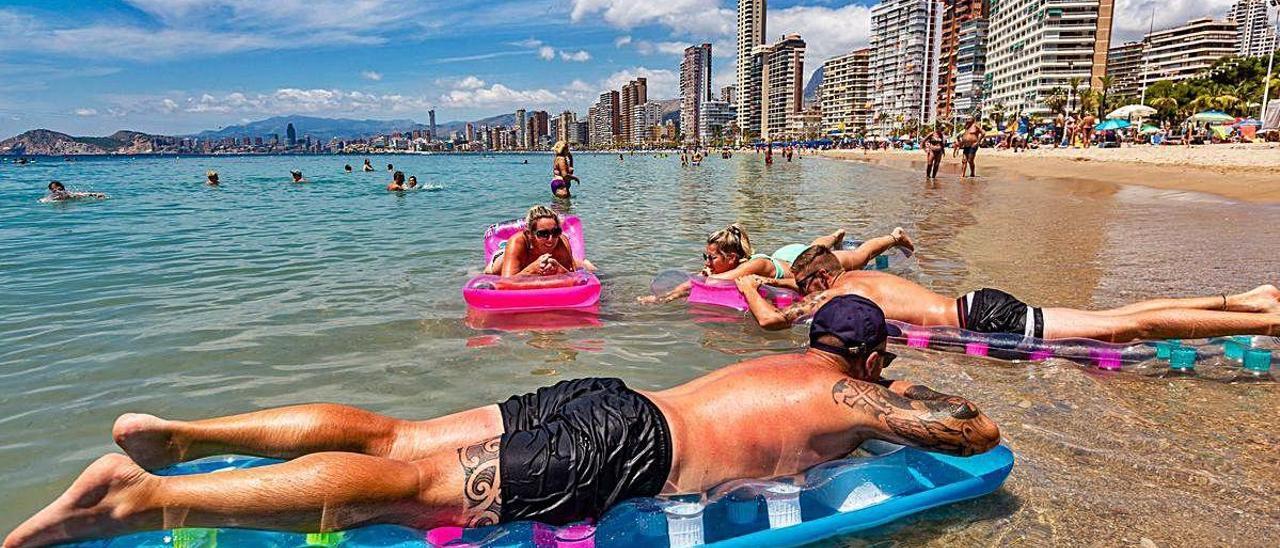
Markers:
<point>750,35</point>
<point>695,89</point>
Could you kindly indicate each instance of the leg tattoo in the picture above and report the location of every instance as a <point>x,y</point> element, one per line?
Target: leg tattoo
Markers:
<point>482,503</point>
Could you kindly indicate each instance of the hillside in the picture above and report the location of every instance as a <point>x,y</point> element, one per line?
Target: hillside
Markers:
<point>52,143</point>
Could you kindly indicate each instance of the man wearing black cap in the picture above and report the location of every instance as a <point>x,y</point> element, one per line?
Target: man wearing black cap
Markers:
<point>820,277</point>
<point>564,453</point>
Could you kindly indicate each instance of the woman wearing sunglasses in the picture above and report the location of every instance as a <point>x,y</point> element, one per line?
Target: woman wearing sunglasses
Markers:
<point>541,249</point>
<point>729,256</point>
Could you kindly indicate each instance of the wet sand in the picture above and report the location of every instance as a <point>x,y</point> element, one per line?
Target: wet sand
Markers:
<point>1245,172</point>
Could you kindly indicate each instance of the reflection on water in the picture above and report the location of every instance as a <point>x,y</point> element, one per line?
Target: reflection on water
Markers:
<point>181,300</point>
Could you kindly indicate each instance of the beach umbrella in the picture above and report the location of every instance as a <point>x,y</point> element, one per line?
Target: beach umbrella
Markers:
<point>1130,111</point>
<point>1112,125</point>
<point>1213,117</point>
<point>1248,122</point>
<point>1146,129</point>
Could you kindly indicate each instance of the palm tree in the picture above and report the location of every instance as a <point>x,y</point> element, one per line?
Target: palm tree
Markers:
<point>1073,84</point>
<point>1106,86</point>
<point>1056,100</point>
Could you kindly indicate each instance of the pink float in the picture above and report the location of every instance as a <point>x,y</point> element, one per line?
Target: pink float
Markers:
<point>579,289</point>
<point>717,292</point>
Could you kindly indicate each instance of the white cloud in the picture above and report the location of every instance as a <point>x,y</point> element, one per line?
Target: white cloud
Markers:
<point>579,85</point>
<point>645,47</point>
<point>371,75</point>
<point>685,17</point>
<point>86,112</point>
<point>827,32</point>
<point>1133,17</point>
<point>577,56</point>
<point>622,40</point>
<point>547,53</point>
<point>528,43</point>
<point>470,82</point>
<point>498,95</point>
<point>280,101</point>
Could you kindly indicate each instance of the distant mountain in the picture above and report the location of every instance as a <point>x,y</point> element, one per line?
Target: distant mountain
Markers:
<point>48,142</point>
<point>447,128</point>
<point>318,128</point>
<point>811,89</point>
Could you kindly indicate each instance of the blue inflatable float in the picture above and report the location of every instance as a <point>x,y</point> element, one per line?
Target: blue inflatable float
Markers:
<point>883,483</point>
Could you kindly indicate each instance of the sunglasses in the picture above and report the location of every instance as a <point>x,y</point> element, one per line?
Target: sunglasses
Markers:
<point>706,258</point>
<point>803,283</point>
<point>548,234</point>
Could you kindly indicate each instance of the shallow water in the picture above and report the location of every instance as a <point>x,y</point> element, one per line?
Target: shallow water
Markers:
<point>185,301</point>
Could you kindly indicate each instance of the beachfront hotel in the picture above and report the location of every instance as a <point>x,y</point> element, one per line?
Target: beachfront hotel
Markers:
<point>1124,66</point>
<point>647,118</point>
<point>1256,35</point>
<point>695,89</point>
<point>1182,52</point>
<point>751,21</point>
<point>846,94</point>
<point>971,80</point>
<point>635,92</point>
<point>781,66</point>
<point>1037,45</point>
<point>906,46</point>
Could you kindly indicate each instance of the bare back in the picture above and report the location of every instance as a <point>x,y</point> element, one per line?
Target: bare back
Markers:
<point>901,299</point>
<point>781,415</point>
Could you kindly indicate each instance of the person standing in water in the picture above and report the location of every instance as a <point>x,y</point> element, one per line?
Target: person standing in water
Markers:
<point>968,143</point>
<point>768,156</point>
<point>935,146</point>
<point>562,170</point>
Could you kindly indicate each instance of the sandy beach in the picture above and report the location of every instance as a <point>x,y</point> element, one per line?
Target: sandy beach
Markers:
<point>1245,172</point>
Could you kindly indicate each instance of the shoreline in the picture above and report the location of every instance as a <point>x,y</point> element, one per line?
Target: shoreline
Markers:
<point>1243,172</point>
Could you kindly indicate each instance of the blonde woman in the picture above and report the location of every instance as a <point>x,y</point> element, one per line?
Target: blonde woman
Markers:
<point>562,170</point>
<point>729,255</point>
<point>541,249</point>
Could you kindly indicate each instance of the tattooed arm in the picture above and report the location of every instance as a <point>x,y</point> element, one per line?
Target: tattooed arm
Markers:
<point>914,415</point>
<point>767,315</point>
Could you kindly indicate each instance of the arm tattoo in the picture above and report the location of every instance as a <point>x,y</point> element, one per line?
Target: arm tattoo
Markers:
<point>482,504</point>
<point>805,307</point>
<point>937,423</point>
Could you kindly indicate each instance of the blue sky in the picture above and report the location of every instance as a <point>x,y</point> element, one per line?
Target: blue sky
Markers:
<point>180,66</point>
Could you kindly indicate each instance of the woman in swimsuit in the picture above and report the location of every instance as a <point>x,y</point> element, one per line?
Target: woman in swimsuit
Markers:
<point>541,249</point>
<point>935,146</point>
<point>562,170</point>
<point>729,256</point>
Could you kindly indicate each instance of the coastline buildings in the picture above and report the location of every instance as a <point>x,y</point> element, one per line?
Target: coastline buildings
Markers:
<point>971,82</point>
<point>1035,46</point>
<point>636,92</point>
<point>906,48</point>
<point>605,120</point>
<point>520,131</point>
<point>648,119</point>
<point>846,94</point>
<point>716,120</point>
<point>1182,52</point>
<point>1125,67</point>
<point>750,36</point>
<point>695,89</point>
<point>963,29</point>
<point>431,116</point>
<point>781,85</point>
<point>1256,35</point>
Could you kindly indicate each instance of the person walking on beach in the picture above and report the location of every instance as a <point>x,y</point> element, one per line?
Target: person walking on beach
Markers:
<point>1069,136</point>
<point>935,147</point>
<point>820,277</point>
<point>968,143</point>
<point>564,453</point>
<point>211,178</point>
<point>1086,129</point>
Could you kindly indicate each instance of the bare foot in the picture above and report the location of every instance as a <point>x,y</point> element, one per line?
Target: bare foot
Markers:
<point>147,439</point>
<point>1264,298</point>
<point>102,502</point>
<point>904,241</point>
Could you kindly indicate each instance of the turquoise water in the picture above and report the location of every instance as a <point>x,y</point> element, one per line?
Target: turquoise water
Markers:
<point>187,301</point>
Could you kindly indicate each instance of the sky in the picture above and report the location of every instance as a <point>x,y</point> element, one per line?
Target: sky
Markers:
<point>182,66</point>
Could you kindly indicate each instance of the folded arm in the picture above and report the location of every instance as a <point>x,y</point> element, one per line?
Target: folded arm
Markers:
<point>769,316</point>
<point>913,415</point>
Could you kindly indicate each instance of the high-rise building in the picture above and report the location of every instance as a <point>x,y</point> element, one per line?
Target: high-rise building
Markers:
<point>715,122</point>
<point>1182,52</point>
<point>750,100</point>
<point>567,128</point>
<point>782,86</point>
<point>695,89</point>
<point>521,121</point>
<point>647,116</point>
<point>971,83</point>
<point>751,33</point>
<point>636,92</point>
<point>1124,66</point>
<point>1029,55</point>
<point>1257,36</point>
<point>538,128</point>
<point>728,95</point>
<point>846,94</point>
<point>606,124</point>
<point>291,134</point>
<point>906,43</point>
<point>580,133</point>
<point>955,15</point>
<point>431,116</point>
<point>471,132</point>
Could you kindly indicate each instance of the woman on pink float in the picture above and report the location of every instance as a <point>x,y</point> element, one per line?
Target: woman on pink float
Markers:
<point>540,250</point>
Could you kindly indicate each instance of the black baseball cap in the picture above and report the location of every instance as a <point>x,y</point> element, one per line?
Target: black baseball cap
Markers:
<point>854,320</point>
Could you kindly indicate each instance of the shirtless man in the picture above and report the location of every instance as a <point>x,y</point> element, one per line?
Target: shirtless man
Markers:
<point>820,277</point>
<point>397,182</point>
<point>564,453</point>
<point>968,142</point>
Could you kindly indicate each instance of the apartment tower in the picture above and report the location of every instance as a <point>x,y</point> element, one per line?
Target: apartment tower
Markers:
<point>750,36</point>
<point>695,89</point>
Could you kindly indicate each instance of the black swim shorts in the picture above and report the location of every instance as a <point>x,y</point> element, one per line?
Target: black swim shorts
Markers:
<point>994,311</point>
<point>571,450</point>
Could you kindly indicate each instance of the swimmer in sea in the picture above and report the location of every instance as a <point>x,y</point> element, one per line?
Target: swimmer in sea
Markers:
<point>211,178</point>
<point>820,277</point>
<point>297,176</point>
<point>413,182</point>
<point>397,182</point>
<point>729,256</point>
<point>564,453</point>
<point>347,168</point>
<point>367,166</point>
<point>59,193</point>
<point>562,170</point>
<point>391,167</point>
<point>541,249</point>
